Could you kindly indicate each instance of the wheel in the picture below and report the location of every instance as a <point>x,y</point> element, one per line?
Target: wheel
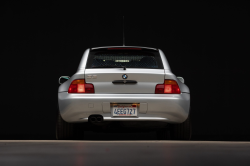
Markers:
<point>66,130</point>
<point>182,131</point>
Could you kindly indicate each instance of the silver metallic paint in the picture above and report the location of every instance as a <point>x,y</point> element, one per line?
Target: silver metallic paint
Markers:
<point>181,79</point>
<point>172,108</point>
<point>164,60</point>
<point>123,46</point>
<point>83,61</point>
<point>65,86</point>
<point>146,80</point>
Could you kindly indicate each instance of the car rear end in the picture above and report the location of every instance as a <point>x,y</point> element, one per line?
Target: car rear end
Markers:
<point>124,84</point>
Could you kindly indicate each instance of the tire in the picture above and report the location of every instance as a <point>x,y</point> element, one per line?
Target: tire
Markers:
<point>163,134</point>
<point>182,131</point>
<point>66,131</point>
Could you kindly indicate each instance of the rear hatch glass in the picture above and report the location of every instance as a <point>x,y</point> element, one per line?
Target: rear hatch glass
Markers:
<point>106,68</point>
<point>128,57</point>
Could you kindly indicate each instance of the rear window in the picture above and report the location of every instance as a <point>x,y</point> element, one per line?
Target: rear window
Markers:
<point>130,58</point>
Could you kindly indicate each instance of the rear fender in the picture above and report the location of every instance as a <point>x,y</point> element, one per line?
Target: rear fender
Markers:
<point>169,75</point>
<point>65,86</point>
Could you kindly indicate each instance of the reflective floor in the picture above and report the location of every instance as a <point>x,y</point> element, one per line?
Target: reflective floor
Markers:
<point>121,153</point>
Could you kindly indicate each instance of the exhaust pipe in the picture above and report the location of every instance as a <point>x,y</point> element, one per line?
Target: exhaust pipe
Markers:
<point>95,118</point>
<point>99,118</point>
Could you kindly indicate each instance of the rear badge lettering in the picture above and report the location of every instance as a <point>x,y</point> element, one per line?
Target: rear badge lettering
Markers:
<point>91,76</point>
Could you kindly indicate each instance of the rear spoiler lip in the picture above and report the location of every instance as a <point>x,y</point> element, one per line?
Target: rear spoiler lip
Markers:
<point>124,47</point>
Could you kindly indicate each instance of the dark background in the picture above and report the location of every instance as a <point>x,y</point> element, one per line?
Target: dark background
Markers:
<point>207,44</point>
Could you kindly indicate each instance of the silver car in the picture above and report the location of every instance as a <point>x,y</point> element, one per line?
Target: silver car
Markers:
<point>123,88</point>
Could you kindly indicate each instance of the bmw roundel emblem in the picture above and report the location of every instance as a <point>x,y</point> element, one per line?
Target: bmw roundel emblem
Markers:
<point>124,76</point>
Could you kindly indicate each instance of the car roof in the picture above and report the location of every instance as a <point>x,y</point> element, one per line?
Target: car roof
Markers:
<point>124,47</point>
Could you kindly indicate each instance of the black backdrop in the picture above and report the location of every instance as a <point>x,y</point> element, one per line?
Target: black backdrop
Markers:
<point>207,44</point>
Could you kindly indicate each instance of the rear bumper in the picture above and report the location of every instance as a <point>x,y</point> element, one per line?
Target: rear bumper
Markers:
<point>172,108</point>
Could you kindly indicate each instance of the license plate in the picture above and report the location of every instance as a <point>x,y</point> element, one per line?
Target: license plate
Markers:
<point>124,110</point>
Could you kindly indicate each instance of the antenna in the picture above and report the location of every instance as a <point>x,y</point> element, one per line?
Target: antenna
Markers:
<point>123,32</point>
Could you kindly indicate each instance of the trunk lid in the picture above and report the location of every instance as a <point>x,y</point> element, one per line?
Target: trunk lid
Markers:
<point>111,80</point>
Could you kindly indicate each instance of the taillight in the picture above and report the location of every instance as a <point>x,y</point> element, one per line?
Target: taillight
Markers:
<point>169,86</point>
<point>79,86</point>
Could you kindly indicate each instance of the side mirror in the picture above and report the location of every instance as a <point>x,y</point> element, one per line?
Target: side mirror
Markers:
<point>63,79</point>
<point>181,79</point>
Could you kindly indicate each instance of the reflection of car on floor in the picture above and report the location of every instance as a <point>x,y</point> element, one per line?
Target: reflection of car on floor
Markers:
<point>123,88</point>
